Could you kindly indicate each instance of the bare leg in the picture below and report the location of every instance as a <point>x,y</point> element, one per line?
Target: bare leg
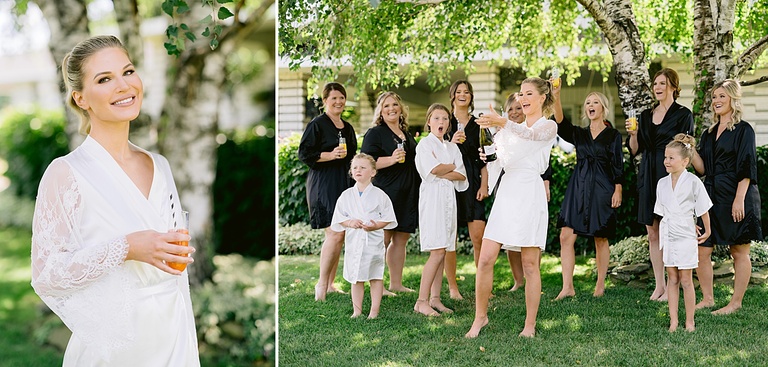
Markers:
<point>377,288</point>
<point>358,291</point>
<point>673,297</point>
<point>387,242</point>
<point>428,274</point>
<point>483,285</point>
<point>567,261</point>
<point>742,269</point>
<point>329,253</point>
<point>476,231</point>
<point>602,255</point>
<point>450,273</point>
<point>704,274</point>
<point>532,269</point>
<point>437,287</point>
<point>689,297</point>
<point>659,294</point>
<point>516,264</point>
<point>396,261</point>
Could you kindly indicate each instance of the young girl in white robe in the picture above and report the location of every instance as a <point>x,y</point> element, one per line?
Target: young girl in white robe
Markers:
<point>442,171</point>
<point>680,198</point>
<point>363,211</point>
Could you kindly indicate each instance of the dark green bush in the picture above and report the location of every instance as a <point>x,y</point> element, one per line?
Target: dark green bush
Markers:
<point>762,185</point>
<point>292,180</point>
<point>244,196</point>
<point>29,140</point>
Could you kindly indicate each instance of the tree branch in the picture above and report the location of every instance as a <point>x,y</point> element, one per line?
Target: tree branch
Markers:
<point>759,80</point>
<point>750,55</point>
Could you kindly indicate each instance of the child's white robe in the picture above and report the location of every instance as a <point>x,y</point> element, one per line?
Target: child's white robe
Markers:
<point>364,251</point>
<point>437,198</point>
<point>679,208</point>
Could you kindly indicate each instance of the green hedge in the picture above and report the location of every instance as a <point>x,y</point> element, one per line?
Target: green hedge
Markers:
<point>29,140</point>
<point>293,205</point>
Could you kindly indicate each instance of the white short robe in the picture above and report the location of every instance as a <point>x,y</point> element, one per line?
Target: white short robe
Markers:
<point>679,208</point>
<point>437,198</point>
<point>121,312</point>
<point>363,250</point>
<point>520,216</point>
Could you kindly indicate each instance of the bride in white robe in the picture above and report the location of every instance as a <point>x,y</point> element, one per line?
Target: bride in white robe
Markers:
<point>101,237</point>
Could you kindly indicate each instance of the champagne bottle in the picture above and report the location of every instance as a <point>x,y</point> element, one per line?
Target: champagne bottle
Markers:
<point>486,141</point>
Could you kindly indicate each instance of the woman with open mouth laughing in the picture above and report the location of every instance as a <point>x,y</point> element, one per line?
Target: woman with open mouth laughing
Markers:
<point>594,189</point>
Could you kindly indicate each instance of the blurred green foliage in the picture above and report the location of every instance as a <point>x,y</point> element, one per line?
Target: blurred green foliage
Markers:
<point>244,196</point>
<point>29,140</point>
<point>292,179</point>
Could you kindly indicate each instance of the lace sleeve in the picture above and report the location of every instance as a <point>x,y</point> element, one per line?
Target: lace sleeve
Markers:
<point>60,261</point>
<point>538,132</point>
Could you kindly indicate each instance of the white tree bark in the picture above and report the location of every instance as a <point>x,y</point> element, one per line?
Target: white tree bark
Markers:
<point>617,21</point>
<point>68,22</point>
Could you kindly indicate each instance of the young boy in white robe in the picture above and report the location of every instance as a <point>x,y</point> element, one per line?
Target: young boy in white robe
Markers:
<point>364,211</point>
<point>680,198</point>
<point>441,168</point>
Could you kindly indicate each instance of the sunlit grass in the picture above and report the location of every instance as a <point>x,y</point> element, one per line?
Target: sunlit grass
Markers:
<point>623,328</point>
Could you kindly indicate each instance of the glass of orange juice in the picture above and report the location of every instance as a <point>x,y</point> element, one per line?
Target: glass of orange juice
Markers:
<point>343,145</point>
<point>632,117</point>
<point>181,226</point>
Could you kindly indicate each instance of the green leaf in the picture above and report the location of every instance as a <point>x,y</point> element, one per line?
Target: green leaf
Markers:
<point>206,32</point>
<point>224,1</point>
<point>183,8</point>
<point>190,36</point>
<point>224,13</point>
<point>206,20</point>
<point>217,29</point>
<point>214,43</point>
<point>167,7</point>
<point>184,26</point>
<point>172,31</point>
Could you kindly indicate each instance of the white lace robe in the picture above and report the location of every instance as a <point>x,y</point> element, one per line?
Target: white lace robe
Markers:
<point>121,313</point>
<point>519,216</point>
<point>437,198</point>
<point>363,250</point>
<point>679,208</point>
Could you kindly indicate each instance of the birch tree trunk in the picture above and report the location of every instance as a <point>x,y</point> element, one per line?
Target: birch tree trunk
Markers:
<point>712,54</point>
<point>68,23</point>
<point>617,22</point>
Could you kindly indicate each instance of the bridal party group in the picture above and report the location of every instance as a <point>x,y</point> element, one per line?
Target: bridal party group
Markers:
<point>369,200</point>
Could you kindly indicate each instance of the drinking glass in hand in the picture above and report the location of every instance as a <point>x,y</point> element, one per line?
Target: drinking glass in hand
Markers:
<point>181,226</point>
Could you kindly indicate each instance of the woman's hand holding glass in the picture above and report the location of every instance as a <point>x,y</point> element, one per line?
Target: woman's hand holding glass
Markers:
<point>459,137</point>
<point>158,249</point>
<point>398,155</point>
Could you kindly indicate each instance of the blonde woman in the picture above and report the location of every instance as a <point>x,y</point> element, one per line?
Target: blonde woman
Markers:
<point>727,157</point>
<point>594,189</point>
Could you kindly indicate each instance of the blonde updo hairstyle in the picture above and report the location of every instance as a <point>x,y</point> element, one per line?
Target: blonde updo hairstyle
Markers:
<point>544,87</point>
<point>379,120</point>
<point>733,90</point>
<point>685,144</point>
<point>510,100</point>
<point>72,70</point>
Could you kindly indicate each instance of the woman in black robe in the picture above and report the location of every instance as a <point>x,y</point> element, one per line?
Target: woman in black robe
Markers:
<point>727,157</point>
<point>655,128</point>
<point>397,176</point>
<point>328,177</point>
<point>594,190</point>
<point>470,205</point>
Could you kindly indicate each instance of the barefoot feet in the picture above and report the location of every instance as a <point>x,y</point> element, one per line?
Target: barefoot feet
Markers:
<point>659,294</point>
<point>435,303</point>
<point>515,287</point>
<point>477,325</point>
<point>319,294</point>
<point>422,307</point>
<point>528,332</point>
<point>672,327</point>
<point>690,327</point>
<point>455,295</point>
<point>400,288</point>
<point>705,304</point>
<point>565,293</point>
<point>387,293</point>
<point>727,310</point>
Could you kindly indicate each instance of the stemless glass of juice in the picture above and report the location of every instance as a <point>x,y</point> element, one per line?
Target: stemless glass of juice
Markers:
<point>343,145</point>
<point>181,226</point>
<point>632,117</point>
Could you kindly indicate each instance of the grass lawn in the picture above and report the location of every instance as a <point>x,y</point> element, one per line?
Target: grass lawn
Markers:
<point>623,328</point>
<point>18,305</point>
